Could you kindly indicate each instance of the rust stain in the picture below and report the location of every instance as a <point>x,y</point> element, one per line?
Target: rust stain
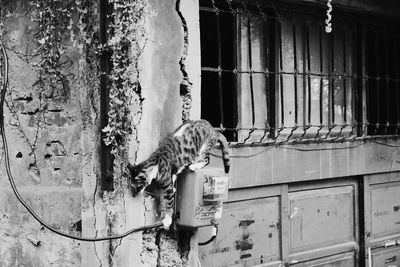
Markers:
<point>245,223</point>
<point>381,213</point>
<point>396,208</point>
<point>245,243</point>
<point>220,250</point>
<point>391,259</point>
<point>244,256</point>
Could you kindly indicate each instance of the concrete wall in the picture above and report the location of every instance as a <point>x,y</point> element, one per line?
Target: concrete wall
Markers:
<point>117,212</point>
<point>45,154</point>
<point>59,173</point>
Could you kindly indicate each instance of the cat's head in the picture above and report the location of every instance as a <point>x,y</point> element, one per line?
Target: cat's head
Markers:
<point>140,175</point>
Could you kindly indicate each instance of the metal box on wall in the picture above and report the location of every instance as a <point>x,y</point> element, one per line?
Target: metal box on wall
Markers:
<point>199,196</point>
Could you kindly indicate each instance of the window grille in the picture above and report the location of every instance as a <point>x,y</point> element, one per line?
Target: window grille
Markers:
<point>271,74</point>
<point>381,79</point>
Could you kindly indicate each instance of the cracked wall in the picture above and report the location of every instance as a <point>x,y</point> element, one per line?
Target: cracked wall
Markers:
<point>45,153</point>
<point>116,212</point>
<point>55,156</point>
<point>164,64</point>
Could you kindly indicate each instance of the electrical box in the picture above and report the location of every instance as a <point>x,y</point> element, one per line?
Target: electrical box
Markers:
<point>200,195</point>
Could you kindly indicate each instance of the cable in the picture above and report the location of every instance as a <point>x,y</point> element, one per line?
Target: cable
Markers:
<point>322,148</point>
<point>242,156</point>
<point>214,235</point>
<point>306,149</point>
<point>15,190</point>
<point>208,241</point>
<point>384,144</point>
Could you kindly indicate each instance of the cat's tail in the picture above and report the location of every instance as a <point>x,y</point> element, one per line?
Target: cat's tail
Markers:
<point>225,151</point>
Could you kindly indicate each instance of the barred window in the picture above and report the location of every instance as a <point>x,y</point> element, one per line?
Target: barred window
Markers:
<point>316,86</point>
<point>236,42</point>
<point>381,77</point>
<point>271,72</point>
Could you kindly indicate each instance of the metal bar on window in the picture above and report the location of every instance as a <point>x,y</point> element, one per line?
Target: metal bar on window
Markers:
<point>365,84</point>
<point>321,83</point>
<point>344,78</point>
<point>332,77</point>
<point>387,89</point>
<point>395,43</point>
<point>378,79</point>
<point>250,68</point>
<point>235,66</point>
<point>275,82</point>
<point>295,74</point>
<point>344,75</point>
<point>220,94</point>
<point>279,28</point>
<point>355,92</point>
<point>268,87</point>
<point>307,37</point>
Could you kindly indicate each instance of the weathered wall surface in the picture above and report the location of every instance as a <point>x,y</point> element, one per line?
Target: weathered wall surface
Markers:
<point>54,138</point>
<point>117,212</point>
<point>160,79</point>
<point>44,135</point>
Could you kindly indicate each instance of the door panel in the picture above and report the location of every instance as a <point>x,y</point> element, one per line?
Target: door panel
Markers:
<point>249,234</point>
<point>385,209</point>
<point>321,217</point>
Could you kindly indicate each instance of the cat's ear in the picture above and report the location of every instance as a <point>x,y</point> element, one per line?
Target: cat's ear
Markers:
<point>130,167</point>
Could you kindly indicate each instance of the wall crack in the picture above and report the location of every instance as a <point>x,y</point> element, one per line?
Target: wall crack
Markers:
<point>185,86</point>
<point>95,223</point>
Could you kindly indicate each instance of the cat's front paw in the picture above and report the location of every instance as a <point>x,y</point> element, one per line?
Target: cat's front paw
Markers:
<point>192,168</point>
<point>198,165</point>
<point>167,221</point>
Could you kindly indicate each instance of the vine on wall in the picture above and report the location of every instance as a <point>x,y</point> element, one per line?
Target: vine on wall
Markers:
<point>2,18</point>
<point>43,52</point>
<point>125,33</point>
<point>55,22</point>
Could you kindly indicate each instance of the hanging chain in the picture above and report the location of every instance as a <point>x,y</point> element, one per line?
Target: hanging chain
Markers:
<point>328,24</point>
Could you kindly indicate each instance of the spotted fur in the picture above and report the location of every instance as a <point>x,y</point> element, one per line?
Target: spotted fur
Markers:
<point>188,146</point>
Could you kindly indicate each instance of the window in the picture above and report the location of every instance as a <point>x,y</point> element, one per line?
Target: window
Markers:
<point>316,86</point>
<point>236,45</point>
<point>270,72</point>
<point>381,77</point>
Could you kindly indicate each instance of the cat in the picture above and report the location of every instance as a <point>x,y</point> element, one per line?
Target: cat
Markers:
<point>188,146</point>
